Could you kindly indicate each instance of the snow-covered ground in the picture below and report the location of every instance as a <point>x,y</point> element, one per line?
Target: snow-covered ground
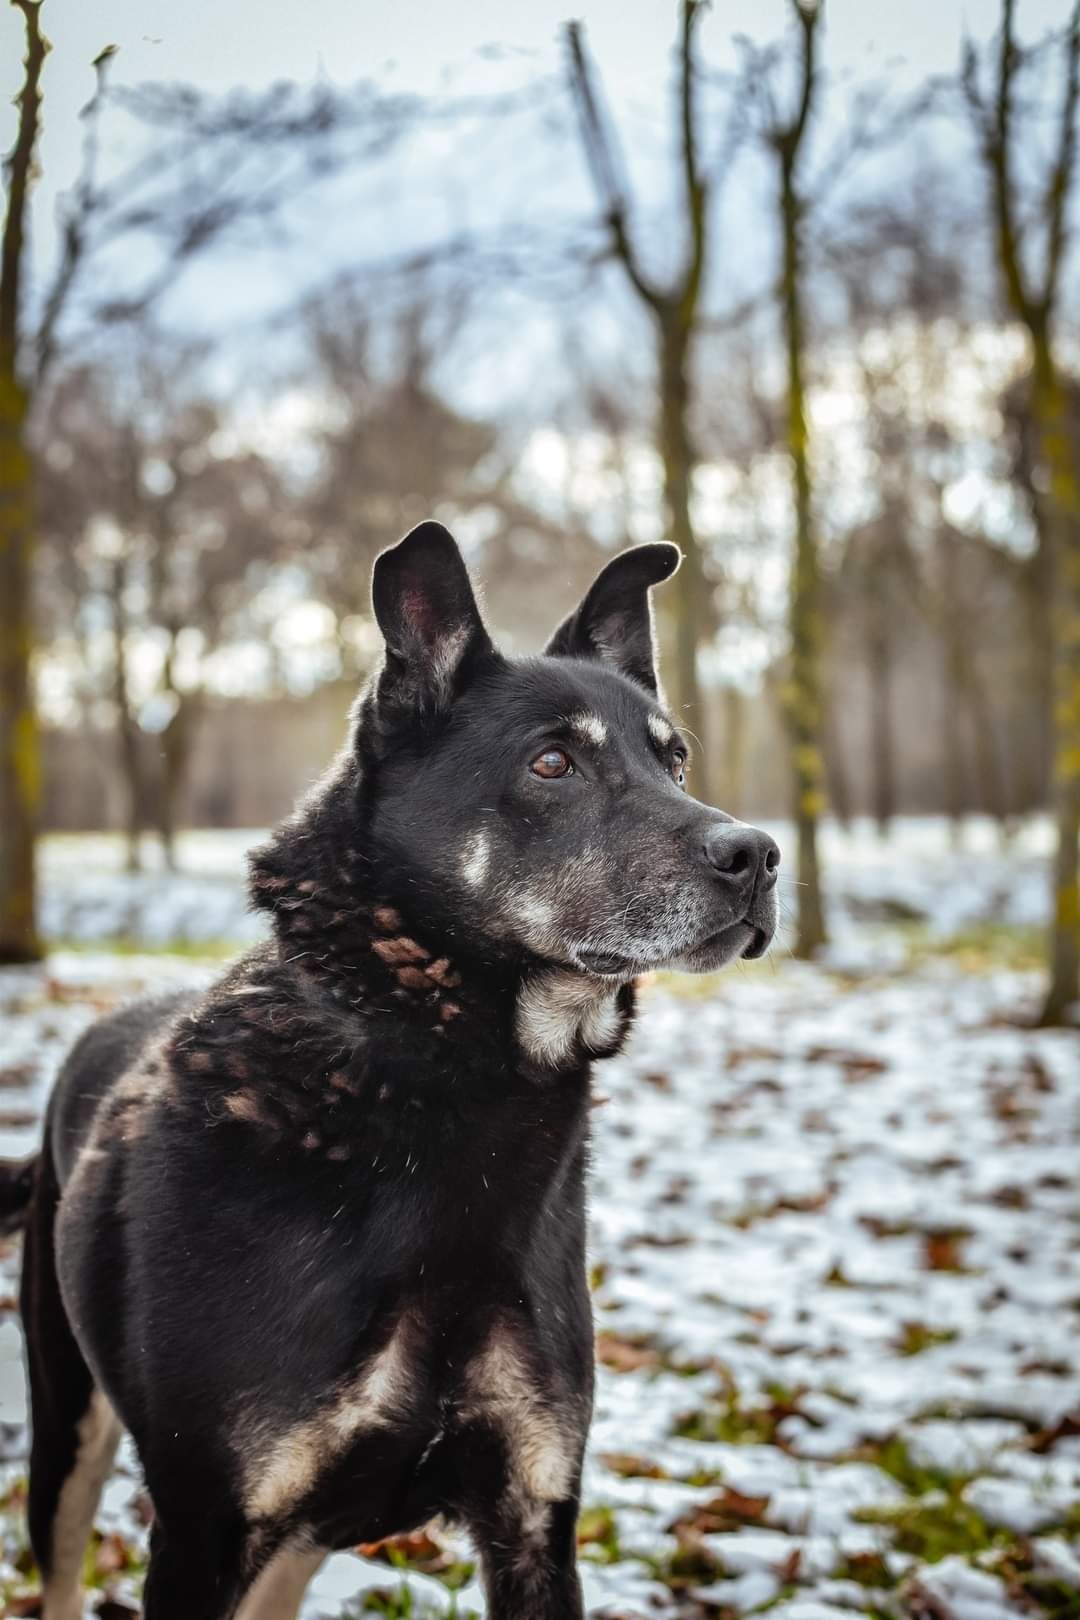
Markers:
<point>836,1261</point>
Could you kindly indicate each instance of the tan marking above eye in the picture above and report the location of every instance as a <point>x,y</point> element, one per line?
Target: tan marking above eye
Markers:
<point>551,764</point>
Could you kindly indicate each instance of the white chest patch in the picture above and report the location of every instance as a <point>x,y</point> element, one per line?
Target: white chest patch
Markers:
<point>558,1009</point>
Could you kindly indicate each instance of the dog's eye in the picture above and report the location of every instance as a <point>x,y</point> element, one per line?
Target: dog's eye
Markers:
<point>551,763</point>
<point>678,766</point>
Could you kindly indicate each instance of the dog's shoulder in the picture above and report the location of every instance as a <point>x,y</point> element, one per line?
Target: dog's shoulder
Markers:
<point>274,1051</point>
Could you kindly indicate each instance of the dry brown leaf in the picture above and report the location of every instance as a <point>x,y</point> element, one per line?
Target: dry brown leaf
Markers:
<point>630,1467</point>
<point>622,1355</point>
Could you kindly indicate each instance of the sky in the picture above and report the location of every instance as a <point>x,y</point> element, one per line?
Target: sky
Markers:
<point>428,46</point>
<point>476,178</point>
<point>470,176</point>
<point>439,50</point>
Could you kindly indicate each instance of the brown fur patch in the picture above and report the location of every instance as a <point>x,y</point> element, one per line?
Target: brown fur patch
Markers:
<point>386,918</point>
<point>242,1105</point>
<point>413,978</point>
<point>399,950</point>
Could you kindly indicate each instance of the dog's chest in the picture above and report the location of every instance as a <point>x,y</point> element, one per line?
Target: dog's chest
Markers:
<point>411,1413</point>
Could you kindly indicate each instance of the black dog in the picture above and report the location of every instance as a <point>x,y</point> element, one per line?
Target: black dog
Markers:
<point>317,1237</point>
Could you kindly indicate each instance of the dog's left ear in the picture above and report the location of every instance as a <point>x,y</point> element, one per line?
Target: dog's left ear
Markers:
<point>426,610</point>
<point>614,620</point>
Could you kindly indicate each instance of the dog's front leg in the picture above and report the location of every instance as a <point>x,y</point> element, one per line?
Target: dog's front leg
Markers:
<point>528,1553</point>
<point>197,1565</point>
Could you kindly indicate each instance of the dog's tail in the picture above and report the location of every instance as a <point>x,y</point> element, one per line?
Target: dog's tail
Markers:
<point>16,1187</point>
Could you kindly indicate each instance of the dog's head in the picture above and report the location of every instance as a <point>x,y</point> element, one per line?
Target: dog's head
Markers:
<point>538,805</point>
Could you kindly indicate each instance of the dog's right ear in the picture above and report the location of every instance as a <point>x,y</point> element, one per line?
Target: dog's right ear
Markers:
<point>426,610</point>
<point>614,620</point>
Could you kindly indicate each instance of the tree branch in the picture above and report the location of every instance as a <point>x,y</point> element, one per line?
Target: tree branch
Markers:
<point>809,14</point>
<point>999,156</point>
<point>1061,175</point>
<point>696,188</point>
<point>76,220</point>
<point>20,167</point>
<point>601,162</point>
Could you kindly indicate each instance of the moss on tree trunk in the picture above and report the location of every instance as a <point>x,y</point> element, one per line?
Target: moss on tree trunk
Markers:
<point>19,751</point>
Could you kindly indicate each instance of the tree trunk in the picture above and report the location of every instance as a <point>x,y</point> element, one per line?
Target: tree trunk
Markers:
<point>19,748</point>
<point>836,766</point>
<point>882,734</point>
<point>687,620</point>
<point>1039,606</point>
<point>990,779</point>
<point>176,745</point>
<point>1063,503</point>
<point>127,728</point>
<point>952,744</point>
<point>1035,306</point>
<point>1031,752</point>
<point>734,758</point>
<point>171,773</point>
<point>804,698</point>
<point>20,770</point>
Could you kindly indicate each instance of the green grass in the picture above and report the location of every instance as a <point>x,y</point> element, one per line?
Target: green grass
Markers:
<point>598,1536</point>
<point>893,1458</point>
<point>915,1337</point>
<point>980,948</point>
<point>202,950</point>
<point>932,1527</point>
<point>728,1421</point>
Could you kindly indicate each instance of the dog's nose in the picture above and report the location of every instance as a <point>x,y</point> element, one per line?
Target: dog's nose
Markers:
<point>743,856</point>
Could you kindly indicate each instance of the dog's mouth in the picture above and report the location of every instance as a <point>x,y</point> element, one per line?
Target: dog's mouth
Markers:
<point>744,939</point>
<point>607,965</point>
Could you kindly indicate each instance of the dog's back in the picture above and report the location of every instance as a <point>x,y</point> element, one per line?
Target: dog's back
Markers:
<point>99,1059</point>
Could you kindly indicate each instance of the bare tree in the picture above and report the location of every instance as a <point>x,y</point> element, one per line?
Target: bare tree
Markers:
<point>676,313</point>
<point>19,759</point>
<point>1033,296</point>
<point>784,138</point>
<point>160,530</point>
<point>213,165</point>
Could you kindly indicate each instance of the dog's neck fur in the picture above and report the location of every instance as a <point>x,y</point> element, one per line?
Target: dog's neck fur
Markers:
<point>334,923</point>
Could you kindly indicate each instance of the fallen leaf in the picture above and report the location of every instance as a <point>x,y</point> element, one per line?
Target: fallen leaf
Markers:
<point>631,1467</point>
<point>622,1355</point>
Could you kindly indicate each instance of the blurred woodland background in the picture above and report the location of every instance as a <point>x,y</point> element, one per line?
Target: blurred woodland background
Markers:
<point>816,323</point>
